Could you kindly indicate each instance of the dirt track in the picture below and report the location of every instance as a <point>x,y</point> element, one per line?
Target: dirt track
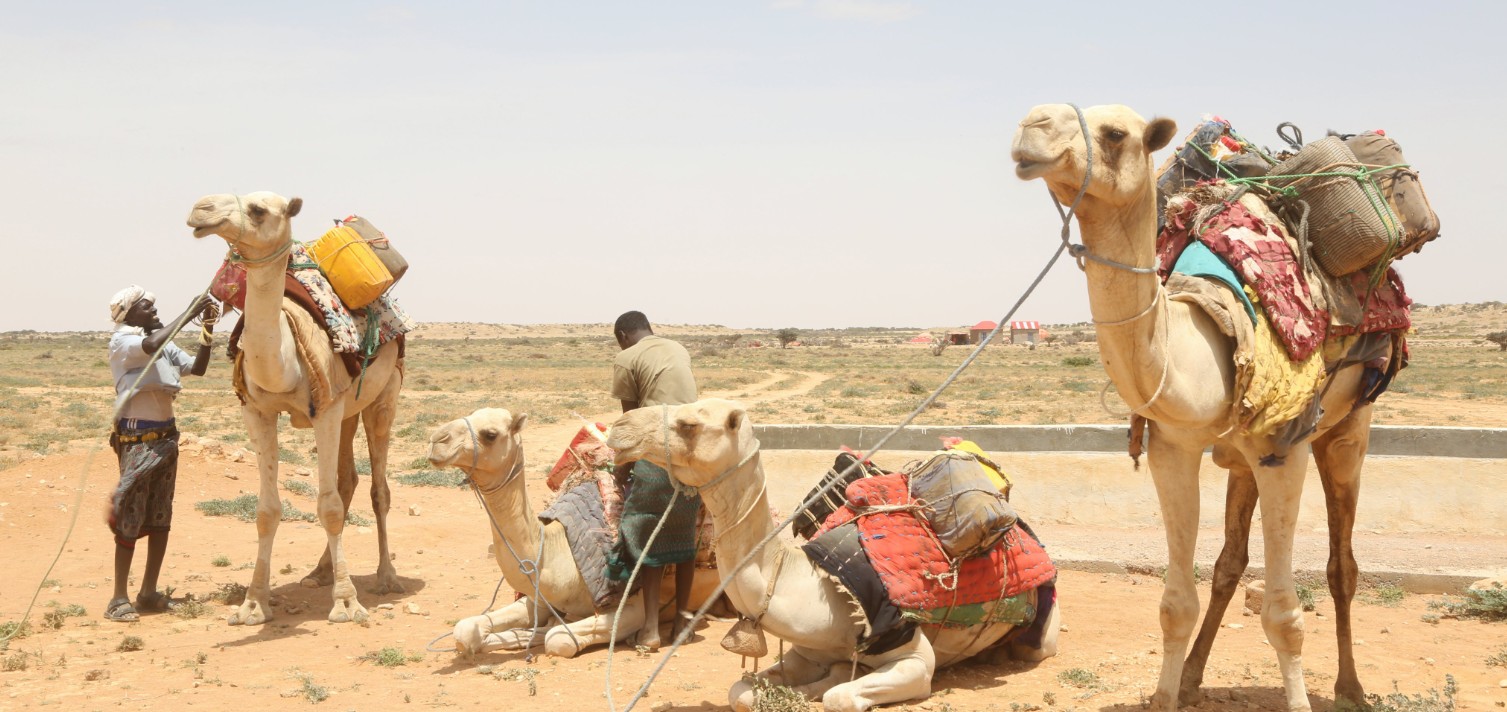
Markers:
<point>1111,629</point>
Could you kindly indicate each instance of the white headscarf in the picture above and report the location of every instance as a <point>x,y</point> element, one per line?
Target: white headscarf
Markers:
<point>125,299</point>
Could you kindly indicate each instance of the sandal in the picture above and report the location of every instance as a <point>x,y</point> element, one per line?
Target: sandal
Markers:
<point>120,611</point>
<point>157,603</point>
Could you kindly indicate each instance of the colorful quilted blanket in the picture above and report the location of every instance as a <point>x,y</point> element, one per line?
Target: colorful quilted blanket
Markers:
<point>918,575</point>
<point>348,329</point>
<point>1302,307</point>
<point>1259,253</point>
<point>590,532</point>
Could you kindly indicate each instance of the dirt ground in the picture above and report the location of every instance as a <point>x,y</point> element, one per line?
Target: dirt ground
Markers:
<point>1108,654</point>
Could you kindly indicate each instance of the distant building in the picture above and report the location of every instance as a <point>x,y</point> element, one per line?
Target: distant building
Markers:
<point>977,332</point>
<point>1025,332</point>
<point>920,340</point>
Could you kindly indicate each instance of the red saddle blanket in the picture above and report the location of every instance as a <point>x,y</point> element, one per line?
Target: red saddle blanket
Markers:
<point>1264,260</point>
<point>916,572</point>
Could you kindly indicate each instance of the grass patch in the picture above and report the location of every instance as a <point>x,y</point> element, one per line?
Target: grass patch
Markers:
<point>15,662</point>
<point>11,630</point>
<point>1498,659</point>
<point>291,457</point>
<point>1078,361</point>
<point>232,594</point>
<point>1486,604</point>
<point>1080,677</point>
<point>391,657</point>
<point>191,609</point>
<point>311,690</point>
<point>1431,701</point>
<point>1389,595</point>
<point>433,478</point>
<point>300,487</point>
<point>525,674</point>
<point>769,697</point>
<point>130,643</point>
<point>243,508</point>
<point>220,561</point>
<point>54,618</point>
<point>1306,596</point>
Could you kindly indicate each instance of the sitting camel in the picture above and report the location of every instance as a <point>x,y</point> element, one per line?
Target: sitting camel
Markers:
<point>710,445</point>
<point>488,446</point>
<point>284,354</point>
<point>1170,359</point>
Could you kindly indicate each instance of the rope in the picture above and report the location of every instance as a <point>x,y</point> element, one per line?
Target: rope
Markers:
<point>120,403</point>
<point>821,492</point>
<point>633,576</point>
<point>528,567</point>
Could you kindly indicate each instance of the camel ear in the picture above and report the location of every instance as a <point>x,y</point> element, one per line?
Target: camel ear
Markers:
<point>518,423</point>
<point>1159,133</point>
<point>294,206</point>
<point>735,419</point>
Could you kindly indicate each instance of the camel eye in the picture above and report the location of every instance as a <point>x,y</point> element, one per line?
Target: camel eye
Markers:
<point>488,434</point>
<point>686,426</point>
<point>1116,135</point>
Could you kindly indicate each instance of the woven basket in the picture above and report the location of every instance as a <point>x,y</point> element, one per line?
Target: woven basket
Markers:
<point>1350,225</point>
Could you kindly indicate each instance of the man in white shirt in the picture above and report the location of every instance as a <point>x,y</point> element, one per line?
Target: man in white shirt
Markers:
<point>145,437</point>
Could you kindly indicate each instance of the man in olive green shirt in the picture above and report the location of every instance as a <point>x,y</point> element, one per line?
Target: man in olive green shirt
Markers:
<point>651,371</point>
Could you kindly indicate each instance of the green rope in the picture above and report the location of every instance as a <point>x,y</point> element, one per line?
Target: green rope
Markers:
<point>369,346</point>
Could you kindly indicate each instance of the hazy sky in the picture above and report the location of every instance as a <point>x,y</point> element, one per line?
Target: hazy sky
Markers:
<point>803,163</point>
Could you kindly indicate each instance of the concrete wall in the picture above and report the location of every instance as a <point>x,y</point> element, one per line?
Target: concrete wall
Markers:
<point>1452,481</point>
<point>1385,439</point>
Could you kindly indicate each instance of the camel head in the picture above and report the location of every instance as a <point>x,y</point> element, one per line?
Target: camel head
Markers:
<point>255,224</point>
<point>488,457</point>
<point>696,442</point>
<point>1049,145</point>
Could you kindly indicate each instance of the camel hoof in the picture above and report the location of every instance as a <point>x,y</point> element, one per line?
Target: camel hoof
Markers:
<point>741,697</point>
<point>1190,696</point>
<point>469,635</point>
<point>386,585</point>
<point>344,612</point>
<point>1162,702</point>
<point>838,699</point>
<point>318,578</point>
<point>250,613</point>
<point>1347,697</point>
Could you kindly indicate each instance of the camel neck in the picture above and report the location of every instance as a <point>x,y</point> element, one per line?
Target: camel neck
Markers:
<point>739,507</point>
<point>1129,321</point>
<point>514,525</point>
<point>262,338</point>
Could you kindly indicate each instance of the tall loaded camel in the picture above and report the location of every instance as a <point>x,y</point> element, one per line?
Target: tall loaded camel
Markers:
<point>277,380</point>
<point>488,446</point>
<point>710,444</point>
<point>1170,361</point>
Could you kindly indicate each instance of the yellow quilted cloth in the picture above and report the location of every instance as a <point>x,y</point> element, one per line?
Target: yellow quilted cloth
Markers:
<point>1280,389</point>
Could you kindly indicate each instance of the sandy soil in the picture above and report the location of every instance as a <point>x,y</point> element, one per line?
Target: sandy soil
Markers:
<point>1111,628</point>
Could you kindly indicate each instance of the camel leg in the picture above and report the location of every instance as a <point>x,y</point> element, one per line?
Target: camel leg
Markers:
<point>377,419</point>
<point>904,674</point>
<point>1239,505</point>
<point>569,639</point>
<point>1046,647</point>
<point>1174,469</point>
<point>1281,490</point>
<point>261,430</point>
<point>498,630</point>
<point>1340,454</point>
<point>323,574</point>
<point>794,670</point>
<point>346,606</point>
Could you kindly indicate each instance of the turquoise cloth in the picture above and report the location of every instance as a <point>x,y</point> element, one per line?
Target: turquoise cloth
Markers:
<point>648,497</point>
<point>1197,260</point>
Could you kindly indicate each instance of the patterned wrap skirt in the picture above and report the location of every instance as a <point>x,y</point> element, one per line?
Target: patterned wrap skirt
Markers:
<point>648,497</point>
<point>143,501</point>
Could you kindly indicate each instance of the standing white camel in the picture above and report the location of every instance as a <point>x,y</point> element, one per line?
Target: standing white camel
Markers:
<point>710,445</point>
<point>1172,363</point>
<point>284,352</point>
<point>488,446</point>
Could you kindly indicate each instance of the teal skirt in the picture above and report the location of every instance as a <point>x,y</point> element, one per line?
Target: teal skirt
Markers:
<point>649,494</point>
